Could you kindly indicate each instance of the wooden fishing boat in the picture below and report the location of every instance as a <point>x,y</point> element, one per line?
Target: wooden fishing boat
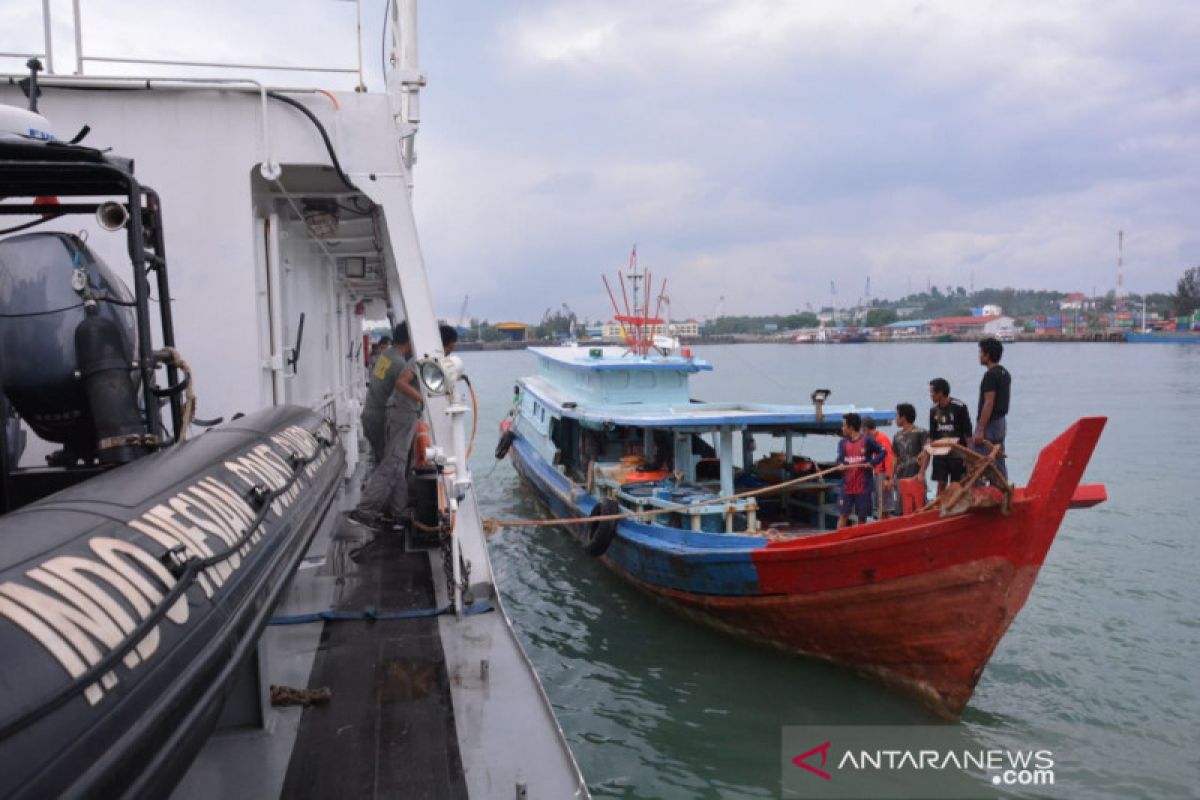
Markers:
<point>919,601</point>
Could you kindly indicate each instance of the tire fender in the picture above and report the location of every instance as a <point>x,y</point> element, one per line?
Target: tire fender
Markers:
<point>506,440</point>
<point>599,534</point>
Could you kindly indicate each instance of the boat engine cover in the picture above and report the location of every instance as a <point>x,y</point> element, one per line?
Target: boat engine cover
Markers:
<point>39,312</point>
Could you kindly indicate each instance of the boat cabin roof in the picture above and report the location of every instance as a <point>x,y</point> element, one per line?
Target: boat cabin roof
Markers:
<point>694,415</point>
<point>604,387</point>
<point>608,359</point>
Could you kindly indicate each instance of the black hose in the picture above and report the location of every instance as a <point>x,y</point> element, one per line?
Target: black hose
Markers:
<point>337,165</point>
<point>27,225</point>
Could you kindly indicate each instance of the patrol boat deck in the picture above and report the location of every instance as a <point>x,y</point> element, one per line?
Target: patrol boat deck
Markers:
<point>289,220</point>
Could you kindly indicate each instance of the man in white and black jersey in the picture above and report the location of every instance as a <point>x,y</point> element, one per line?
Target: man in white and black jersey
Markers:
<point>949,418</point>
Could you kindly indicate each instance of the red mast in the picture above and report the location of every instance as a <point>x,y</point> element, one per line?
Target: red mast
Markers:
<point>637,326</point>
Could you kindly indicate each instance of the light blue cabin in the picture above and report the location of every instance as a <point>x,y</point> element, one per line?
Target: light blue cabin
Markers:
<point>590,413</point>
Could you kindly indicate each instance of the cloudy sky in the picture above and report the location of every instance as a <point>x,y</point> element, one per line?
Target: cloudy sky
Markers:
<point>755,150</point>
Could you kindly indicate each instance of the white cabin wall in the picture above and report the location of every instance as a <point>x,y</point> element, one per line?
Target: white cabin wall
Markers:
<point>306,291</point>
<point>198,149</point>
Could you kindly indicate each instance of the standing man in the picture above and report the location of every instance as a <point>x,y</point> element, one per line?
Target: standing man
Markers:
<point>383,344</point>
<point>881,501</point>
<point>861,454</point>
<point>908,446</point>
<point>386,367</point>
<point>948,419</point>
<point>388,487</point>
<point>992,415</point>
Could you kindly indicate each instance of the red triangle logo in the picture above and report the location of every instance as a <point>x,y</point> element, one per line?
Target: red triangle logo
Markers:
<point>800,760</point>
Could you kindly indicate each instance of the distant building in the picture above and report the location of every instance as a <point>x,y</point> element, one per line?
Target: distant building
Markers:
<point>981,326</point>
<point>1076,301</point>
<point>513,331</point>
<point>613,330</point>
<point>906,329</point>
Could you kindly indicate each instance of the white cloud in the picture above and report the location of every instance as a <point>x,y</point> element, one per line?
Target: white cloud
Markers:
<point>756,148</point>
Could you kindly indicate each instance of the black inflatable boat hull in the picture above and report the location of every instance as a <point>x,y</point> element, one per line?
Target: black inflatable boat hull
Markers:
<point>84,567</point>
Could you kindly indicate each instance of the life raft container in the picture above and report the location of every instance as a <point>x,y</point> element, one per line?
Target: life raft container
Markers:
<point>128,602</point>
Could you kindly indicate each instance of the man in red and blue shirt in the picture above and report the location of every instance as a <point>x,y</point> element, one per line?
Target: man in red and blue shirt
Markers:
<point>861,454</point>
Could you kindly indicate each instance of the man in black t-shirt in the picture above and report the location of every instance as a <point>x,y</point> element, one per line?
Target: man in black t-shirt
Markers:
<point>948,419</point>
<point>994,391</point>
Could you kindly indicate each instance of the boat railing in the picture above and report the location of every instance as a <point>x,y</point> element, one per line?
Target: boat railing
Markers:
<point>83,57</point>
<point>689,501</point>
<point>402,76</point>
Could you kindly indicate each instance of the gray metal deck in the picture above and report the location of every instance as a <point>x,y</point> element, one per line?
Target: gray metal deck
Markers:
<point>414,712</point>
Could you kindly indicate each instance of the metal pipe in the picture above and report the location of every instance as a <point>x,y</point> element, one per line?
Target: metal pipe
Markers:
<point>405,28</point>
<point>362,86</point>
<point>218,64</point>
<point>46,33</point>
<point>141,288</point>
<point>275,310</point>
<point>165,317</point>
<point>726,453</point>
<point>78,19</point>
<point>269,169</point>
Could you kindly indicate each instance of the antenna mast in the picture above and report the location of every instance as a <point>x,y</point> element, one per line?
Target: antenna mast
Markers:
<point>1119,300</point>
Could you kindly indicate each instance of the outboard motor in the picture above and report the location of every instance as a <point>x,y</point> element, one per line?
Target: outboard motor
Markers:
<point>65,353</point>
<point>104,368</point>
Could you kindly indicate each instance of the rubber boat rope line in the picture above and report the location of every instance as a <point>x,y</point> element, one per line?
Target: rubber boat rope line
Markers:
<point>186,572</point>
<point>372,614</point>
<point>97,298</point>
<point>189,404</point>
<point>492,525</point>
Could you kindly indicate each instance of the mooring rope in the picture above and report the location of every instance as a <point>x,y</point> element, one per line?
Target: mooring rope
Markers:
<point>490,526</point>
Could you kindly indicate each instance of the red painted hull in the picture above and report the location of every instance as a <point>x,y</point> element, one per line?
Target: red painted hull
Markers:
<point>920,602</point>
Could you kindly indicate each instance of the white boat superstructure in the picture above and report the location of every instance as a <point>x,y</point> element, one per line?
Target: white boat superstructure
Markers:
<point>289,220</point>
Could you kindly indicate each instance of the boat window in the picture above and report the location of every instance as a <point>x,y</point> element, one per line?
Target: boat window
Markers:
<point>617,380</point>
<point>643,380</point>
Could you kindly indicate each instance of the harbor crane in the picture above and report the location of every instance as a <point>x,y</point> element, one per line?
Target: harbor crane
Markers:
<point>462,312</point>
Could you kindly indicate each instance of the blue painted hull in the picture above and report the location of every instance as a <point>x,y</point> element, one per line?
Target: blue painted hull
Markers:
<point>687,561</point>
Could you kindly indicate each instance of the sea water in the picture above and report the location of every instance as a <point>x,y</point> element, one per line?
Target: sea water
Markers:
<point>1102,666</point>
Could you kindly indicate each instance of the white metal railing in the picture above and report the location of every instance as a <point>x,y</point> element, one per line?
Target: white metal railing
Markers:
<point>82,57</point>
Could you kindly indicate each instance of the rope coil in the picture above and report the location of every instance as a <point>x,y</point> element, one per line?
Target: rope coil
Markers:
<point>189,403</point>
